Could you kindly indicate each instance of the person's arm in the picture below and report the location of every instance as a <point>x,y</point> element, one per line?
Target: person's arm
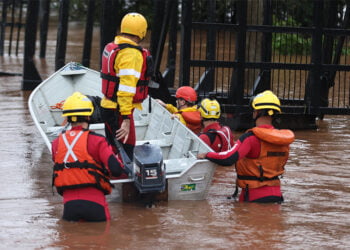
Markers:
<point>161,102</point>
<point>171,108</point>
<point>246,144</point>
<point>102,152</point>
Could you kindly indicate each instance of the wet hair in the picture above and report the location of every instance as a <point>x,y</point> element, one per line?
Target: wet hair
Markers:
<point>209,119</point>
<point>266,112</point>
<point>131,35</point>
<point>190,104</point>
<point>73,119</point>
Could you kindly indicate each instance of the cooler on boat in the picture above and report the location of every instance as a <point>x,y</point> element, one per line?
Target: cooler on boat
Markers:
<point>149,168</point>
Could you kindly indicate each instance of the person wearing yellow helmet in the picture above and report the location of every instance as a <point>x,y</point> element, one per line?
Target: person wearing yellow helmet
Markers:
<point>219,138</point>
<point>83,163</point>
<point>186,108</point>
<point>125,72</point>
<point>260,154</point>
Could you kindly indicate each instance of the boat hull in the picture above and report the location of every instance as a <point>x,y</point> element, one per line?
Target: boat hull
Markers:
<point>187,177</point>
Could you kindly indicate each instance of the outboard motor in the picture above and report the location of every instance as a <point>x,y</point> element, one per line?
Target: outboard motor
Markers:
<point>149,168</point>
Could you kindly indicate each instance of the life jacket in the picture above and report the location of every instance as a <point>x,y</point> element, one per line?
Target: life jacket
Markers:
<point>74,167</point>
<point>193,120</point>
<point>225,137</point>
<point>266,169</point>
<point>110,80</point>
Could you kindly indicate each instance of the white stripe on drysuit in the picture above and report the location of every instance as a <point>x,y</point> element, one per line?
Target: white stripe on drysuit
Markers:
<point>227,137</point>
<point>129,72</point>
<point>70,147</point>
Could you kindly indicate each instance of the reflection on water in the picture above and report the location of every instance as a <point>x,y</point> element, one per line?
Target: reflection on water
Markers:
<point>315,214</point>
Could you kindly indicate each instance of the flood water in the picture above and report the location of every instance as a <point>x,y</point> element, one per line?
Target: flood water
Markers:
<point>316,187</point>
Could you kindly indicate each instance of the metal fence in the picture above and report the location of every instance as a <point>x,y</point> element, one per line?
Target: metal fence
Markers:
<point>236,49</point>
<point>12,18</point>
<point>232,49</point>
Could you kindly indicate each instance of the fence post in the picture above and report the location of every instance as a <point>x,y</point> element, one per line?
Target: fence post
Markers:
<point>44,21</point>
<point>158,15</point>
<point>62,34</point>
<point>158,37</point>
<point>3,26</point>
<point>206,83</point>
<point>31,77</point>
<point>169,74</point>
<point>109,23</point>
<point>185,52</point>
<point>20,25</point>
<point>237,80</point>
<point>266,50</point>
<point>12,24</point>
<point>313,85</point>
<point>164,30</point>
<point>88,33</point>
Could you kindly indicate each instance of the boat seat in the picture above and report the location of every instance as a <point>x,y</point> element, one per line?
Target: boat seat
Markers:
<point>182,141</point>
<point>160,142</point>
<point>57,129</point>
<point>54,130</point>
<point>141,119</point>
<point>159,124</point>
<point>177,166</point>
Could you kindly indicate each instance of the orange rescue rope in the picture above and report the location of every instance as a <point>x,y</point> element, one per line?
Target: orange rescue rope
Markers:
<point>58,105</point>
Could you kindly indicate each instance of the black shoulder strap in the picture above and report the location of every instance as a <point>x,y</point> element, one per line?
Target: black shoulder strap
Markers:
<point>211,133</point>
<point>127,45</point>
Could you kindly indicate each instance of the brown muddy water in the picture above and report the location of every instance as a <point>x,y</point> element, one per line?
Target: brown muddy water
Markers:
<point>316,186</point>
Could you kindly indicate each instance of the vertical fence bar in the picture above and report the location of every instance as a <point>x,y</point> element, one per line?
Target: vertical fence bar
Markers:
<point>169,74</point>
<point>44,24</point>
<point>158,37</point>
<point>266,50</point>
<point>237,81</point>
<point>109,23</point>
<point>206,83</point>
<point>88,33</point>
<point>163,33</point>
<point>158,15</point>
<point>62,34</point>
<point>19,25</point>
<point>313,95</point>
<point>12,24</point>
<point>31,77</point>
<point>3,26</point>
<point>185,52</point>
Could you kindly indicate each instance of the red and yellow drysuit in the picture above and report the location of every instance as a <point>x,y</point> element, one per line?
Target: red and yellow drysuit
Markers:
<point>83,164</point>
<point>125,75</point>
<point>260,155</point>
<point>190,117</point>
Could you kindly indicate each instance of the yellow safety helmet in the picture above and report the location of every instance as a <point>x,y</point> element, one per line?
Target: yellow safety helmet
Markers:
<point>77,105</point>
<point>209,109</point>
<point>267,101</point>
<point>134,24</point>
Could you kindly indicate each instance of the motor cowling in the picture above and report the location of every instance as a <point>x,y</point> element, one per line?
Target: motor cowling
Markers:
<point>150,173</point>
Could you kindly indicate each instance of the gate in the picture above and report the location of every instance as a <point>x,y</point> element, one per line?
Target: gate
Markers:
<point>245,47</point>
<point>12,18</point>
<point>230,49</point>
